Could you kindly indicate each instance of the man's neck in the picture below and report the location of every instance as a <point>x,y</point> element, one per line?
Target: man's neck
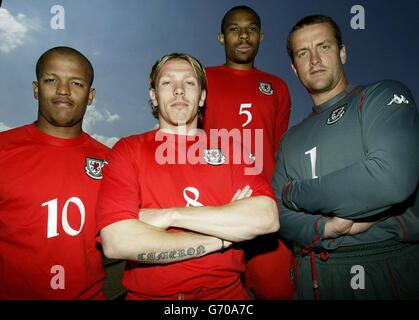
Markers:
<point>59,132</point>
<point>319,98</point>
<point>181,130</point>
<point>240,66</point>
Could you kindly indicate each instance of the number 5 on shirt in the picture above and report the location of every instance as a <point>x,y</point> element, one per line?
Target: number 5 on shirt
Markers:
<point>244,106</point>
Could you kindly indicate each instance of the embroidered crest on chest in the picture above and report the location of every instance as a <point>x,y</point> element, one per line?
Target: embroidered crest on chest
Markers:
<point>266,88</point>
<point>336,114</point>
<point>214,157</point>
<point>94,168</point>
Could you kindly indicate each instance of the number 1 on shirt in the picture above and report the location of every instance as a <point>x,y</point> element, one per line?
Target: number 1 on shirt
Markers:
<point>313,158</point>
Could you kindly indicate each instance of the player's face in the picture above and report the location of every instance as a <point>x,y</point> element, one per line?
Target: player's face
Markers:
<point>318,61</point>
<point>177,95</point>
<point>241,39</point>
<point>63,93</point>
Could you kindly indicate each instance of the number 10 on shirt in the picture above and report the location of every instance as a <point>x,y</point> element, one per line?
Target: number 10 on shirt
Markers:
<point>53,217</point>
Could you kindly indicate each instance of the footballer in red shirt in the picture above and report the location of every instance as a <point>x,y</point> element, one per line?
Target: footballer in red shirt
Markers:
<point>257,104</point>
<point>50,173</point>
<point>173,204</point>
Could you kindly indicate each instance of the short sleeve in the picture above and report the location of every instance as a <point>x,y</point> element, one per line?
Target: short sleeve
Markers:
<point>119,195</point>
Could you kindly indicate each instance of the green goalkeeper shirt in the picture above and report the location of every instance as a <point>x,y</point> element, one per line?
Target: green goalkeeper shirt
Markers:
<point>356,157</point>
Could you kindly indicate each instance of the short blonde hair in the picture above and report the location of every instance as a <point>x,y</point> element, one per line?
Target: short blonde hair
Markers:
<point>196,66</point>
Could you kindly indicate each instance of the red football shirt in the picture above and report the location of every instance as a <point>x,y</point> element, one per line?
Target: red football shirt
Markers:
<point>257,104</point>
<point>48,192</point>
<point>138,177</point>
<point>249,100</point>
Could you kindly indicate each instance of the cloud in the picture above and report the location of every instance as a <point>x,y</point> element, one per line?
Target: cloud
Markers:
<point>94,115</point>
<point>4,127</point>
<point>14,30</point>
<point>108,141</point>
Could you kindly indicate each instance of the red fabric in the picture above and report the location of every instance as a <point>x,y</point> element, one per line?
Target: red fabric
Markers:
<point>234,291</point>
<point>270,272</point>
<point>272,275</point>
<point>134,179</point>
<point>229,88</point>
<point>39,171</point>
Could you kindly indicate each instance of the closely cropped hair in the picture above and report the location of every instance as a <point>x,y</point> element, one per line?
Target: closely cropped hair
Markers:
<point>310,20</point>
<point>64,51</point>
<point>196,66</point>
<point>238,8</point>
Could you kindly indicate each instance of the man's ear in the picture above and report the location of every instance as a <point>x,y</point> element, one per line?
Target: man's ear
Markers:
<point>202,100</point>
<point>92,95</point>
<point>35,89</point>
<point>293,69</point>
<point>342,54</point>
<point>153,98</point>
<point>221,38</point>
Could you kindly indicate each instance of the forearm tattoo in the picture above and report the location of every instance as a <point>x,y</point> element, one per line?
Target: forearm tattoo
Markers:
<point>167,256</point>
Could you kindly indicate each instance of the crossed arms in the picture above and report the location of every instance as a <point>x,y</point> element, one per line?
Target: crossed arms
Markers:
<point>210,229</point>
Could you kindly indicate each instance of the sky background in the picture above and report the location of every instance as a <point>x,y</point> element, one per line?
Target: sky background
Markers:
<point>123,39</point>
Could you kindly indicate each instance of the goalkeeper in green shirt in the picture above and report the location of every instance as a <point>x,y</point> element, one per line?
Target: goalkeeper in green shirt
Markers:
<point>346,177</point>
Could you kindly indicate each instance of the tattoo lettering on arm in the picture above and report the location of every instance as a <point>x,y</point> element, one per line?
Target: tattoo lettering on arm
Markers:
<point>171,256</point>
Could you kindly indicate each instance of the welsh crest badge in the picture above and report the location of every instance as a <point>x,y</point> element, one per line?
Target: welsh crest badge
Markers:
<point>214,157</point>
<point>94,168</point>
<point>266,88</point>
<point>336,115</point>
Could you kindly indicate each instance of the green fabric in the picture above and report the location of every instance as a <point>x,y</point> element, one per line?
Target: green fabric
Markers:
<point>113,287</point>
<point>390,273</point>
<point>356,157</point>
